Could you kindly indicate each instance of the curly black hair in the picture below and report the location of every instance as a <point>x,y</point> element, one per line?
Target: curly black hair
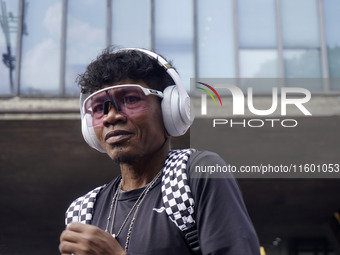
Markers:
<point>113,66</point>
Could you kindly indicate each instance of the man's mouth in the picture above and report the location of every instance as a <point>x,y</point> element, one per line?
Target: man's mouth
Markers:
<point>117,136</point>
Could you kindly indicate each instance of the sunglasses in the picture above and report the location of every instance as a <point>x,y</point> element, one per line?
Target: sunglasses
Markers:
<point>128,100</point>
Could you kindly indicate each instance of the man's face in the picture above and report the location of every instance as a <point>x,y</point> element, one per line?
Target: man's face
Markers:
<point>130,138</point>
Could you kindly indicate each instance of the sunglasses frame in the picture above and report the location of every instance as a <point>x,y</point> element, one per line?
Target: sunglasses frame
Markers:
<point>147,92</point>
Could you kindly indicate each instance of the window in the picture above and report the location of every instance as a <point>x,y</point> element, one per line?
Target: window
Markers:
<point>174,35</point>
<point>40,64</point>
<point>131,27</point>
<point>85,39</point>
<point>301,41</point>
<point>258,56</point>
<point>215,41</point>
<point>258,63</point>
<point>8,35</point>
<point>257,23</point>
<point>332,21</point>
<point>302,63</point>
<point>300,26</point>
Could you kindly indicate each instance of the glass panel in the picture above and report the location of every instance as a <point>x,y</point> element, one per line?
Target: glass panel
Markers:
<point>332,21</point>
<point>86,27</point>
<point>41,47</point>
<point>215,39</point>
<point>174,35</point>
<point>8,33</point>
<point>131,23</point>
<point>257,23</point>
<point>303,64</point>
<point>300,27</point>
<point>258,64</point>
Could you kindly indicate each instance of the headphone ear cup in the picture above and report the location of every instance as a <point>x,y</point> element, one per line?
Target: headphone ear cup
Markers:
<point>175,122</point>
<point>89,136</point>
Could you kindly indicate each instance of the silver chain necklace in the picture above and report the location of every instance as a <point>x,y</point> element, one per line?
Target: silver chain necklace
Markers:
<point>137,204</point>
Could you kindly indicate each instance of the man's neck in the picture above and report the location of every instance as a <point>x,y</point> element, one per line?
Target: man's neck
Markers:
<point>138,174</point>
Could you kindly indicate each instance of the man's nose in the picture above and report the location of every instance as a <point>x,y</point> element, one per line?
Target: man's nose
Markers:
<point>112,113</point>
<point>108,104</point>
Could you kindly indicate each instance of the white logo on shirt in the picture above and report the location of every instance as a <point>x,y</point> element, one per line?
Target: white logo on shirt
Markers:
<point>159,210</point>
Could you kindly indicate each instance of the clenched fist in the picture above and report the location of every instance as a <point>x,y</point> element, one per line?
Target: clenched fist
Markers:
<point>83,239</point>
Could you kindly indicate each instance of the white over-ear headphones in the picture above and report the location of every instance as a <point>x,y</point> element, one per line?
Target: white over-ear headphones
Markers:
<point>177,112</point>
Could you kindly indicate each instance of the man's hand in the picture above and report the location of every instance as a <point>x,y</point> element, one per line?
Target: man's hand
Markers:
<point>83,239</point>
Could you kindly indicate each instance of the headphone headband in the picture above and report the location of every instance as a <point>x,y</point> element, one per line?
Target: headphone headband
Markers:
<point>168,68</point>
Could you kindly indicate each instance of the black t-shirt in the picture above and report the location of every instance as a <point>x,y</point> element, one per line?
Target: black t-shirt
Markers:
<point>222,220</point>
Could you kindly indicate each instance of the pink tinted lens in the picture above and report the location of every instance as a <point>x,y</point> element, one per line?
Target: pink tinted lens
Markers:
<point>128,101</point>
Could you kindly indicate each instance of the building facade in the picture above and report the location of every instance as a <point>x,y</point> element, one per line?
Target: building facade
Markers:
<point>44,163</point>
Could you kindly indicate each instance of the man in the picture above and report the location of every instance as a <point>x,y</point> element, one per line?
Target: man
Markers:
<point>132,102</point>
